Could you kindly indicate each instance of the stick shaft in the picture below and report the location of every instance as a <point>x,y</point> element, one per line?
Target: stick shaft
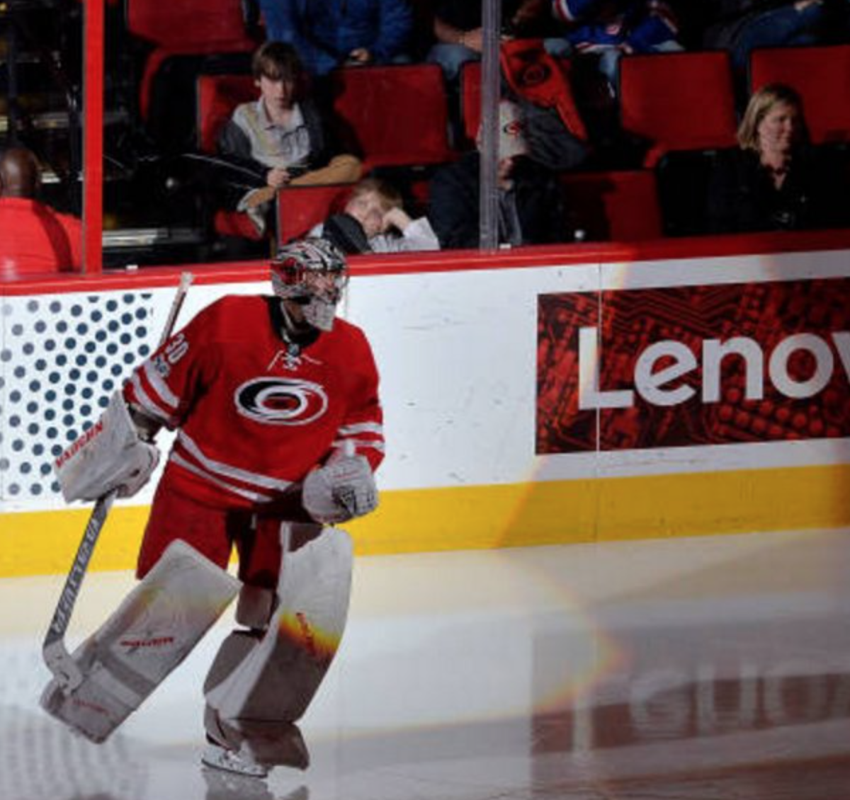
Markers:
<point>54,650</point>
<point>55,653</point>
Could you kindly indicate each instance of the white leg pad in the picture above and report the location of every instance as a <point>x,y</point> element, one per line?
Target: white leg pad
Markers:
<point>273,677</point>
<point>153,630</point>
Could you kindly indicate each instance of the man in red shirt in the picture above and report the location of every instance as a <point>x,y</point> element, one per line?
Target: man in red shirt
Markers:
<point>34,239</point>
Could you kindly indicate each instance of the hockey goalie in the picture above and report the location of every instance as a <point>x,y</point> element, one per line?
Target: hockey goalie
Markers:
<point>278,423</point>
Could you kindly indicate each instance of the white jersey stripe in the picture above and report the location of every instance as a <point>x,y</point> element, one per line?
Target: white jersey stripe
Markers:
<point>254,497</point>
<point>362,427</point>
<point>162,389</point>
<point>145,401</point>
<point>375,444</point>
<point>561,8</point>
<point>228,471</point>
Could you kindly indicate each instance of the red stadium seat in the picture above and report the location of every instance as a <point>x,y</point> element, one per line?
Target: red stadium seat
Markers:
<point>617,205</point>
<point>397,114</point>
<point>299,208</point>
<point>217,96</point>
<point>470,99</point>
<point>677,101</point>
<point>821,74</point>
<point>187,27</point>
<point>232,223</point>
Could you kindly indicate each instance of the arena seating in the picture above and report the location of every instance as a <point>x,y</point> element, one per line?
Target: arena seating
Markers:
<point>470,99</point>
<point>614,205</point>
<point>217,96</point>
<point>682,105</point>
<point>231,223</point>
<point>299,208</point>
<point>677,101</point>
<point>187,27</point>
<point>397,115</point>
<point>821,74</point>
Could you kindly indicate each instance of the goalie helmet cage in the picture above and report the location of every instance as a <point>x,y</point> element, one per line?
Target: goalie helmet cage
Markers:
<point>54,650</point>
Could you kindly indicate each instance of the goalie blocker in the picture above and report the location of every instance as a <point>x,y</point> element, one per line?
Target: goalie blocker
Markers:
<point>109,455</point>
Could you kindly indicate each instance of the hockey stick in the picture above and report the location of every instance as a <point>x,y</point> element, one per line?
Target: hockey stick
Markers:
<point>54,651</point>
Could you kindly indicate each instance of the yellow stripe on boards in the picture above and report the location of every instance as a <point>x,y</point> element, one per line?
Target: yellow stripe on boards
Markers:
<point>46,542</point>
<point>476,517</point>
<point>642,507</point>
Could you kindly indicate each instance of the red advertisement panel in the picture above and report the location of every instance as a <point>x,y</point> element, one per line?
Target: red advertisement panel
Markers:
<point>693,365</point>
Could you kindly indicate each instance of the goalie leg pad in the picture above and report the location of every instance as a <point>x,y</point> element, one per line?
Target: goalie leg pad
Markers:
<point>271,677</point>
<point>156,626</point>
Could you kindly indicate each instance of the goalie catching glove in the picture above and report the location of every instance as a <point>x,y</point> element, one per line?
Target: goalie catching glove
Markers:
<point>342,489</point>
<point>108,456</point>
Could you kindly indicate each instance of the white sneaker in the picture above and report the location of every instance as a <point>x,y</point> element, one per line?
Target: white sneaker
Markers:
<point>241,763</point>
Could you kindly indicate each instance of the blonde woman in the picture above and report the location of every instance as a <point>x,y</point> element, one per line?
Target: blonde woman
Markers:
<point>774,180</point>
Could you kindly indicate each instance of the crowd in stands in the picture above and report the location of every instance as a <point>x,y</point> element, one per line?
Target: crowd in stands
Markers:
<point>562,112</point>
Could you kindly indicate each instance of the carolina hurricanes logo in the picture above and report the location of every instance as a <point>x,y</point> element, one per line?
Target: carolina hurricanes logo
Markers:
<point>281,401</point>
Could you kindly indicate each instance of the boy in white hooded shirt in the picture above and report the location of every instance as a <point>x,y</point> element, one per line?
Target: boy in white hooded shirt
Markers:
<point>377,206</point>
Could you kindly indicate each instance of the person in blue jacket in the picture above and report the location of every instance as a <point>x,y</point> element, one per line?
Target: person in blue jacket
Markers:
<point>334,33</point>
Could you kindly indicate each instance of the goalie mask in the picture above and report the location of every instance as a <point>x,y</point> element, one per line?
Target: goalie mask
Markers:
<point>312,273</point>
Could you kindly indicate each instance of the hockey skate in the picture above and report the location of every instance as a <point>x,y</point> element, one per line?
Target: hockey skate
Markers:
<point>253,748</point>
<point>239,761</point>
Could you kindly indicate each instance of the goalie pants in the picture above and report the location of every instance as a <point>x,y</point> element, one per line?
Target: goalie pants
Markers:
<point>215,532</point>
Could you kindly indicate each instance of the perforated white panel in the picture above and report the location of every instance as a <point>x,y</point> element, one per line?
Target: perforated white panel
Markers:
<point>61,358</point>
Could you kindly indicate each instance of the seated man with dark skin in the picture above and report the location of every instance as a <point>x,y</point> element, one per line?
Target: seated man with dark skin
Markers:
<point>34,239</point>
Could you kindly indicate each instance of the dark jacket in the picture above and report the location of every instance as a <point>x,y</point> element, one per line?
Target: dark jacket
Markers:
<point>742,197</point>
<point>453,203</point>
<point>235,146</point>
<point>324,32</point>
<point>235,171</point>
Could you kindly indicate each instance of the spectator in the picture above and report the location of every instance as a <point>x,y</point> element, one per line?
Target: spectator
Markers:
<point>774,180</point>
<point>377,222</point>
<point>281,139</point>
<point>530,198</point>
<point>608,28</point>
<point>457,29</point>
<point>374,220</point>
<point>740,26</point>
<point>334,33</point>
<point>34,239</point>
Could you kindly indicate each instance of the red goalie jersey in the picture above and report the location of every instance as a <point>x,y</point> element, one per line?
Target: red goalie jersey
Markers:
<point>254,414</point>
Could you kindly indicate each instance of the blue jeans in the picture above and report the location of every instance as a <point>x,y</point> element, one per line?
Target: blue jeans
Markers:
<point>775,28</point>
<point>451,57</point>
